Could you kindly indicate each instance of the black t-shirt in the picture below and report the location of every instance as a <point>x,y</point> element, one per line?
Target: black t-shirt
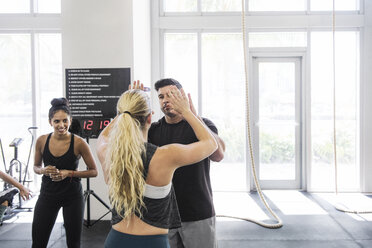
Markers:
<point>192,182</point>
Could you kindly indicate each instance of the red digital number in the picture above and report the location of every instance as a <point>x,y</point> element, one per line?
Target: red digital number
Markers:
<point>88,125</point>
<point>103,124</point>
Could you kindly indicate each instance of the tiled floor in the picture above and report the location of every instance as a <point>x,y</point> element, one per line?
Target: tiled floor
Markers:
<point>309,220</point>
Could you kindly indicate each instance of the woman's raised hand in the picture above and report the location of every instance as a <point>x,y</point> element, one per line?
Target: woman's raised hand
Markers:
<point>137,85</point>
<point>178,100</point>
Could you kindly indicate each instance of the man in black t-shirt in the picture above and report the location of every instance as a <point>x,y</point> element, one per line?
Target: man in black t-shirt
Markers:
<point>191,183</point>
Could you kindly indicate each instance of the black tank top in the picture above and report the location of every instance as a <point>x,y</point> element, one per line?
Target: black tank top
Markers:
<point>162,212</point>
<point>68,161</point>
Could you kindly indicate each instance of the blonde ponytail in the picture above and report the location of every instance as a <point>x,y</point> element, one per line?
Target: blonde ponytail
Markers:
<point>125,150</point>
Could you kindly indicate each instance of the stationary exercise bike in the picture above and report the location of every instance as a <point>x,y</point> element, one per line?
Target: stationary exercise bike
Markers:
<point>19,171</point>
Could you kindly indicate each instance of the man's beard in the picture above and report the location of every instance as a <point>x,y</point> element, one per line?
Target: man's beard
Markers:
<point>168,113</point>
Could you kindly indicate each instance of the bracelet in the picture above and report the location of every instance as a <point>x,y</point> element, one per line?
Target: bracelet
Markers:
<point>72,175</point>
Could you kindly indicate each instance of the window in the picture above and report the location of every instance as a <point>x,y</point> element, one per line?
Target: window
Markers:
<point>274,5</point>
<point>180,5</point>
<point>221,5</point>
<point>327,5</point>
<point>277,39</point>
<point>24,6</point>
<point>50,64</point>
<point>31,72</point>
<point>16,90</point>
<point>49,6</point>
<point>223,97</point>
<point>347,82</point>
<point>14,6</point>
<point>207,52</point>
<point>181,61</point>
<point>16,102</point>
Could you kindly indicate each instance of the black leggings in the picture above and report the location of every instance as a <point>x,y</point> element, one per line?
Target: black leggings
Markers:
<point>45,214</point>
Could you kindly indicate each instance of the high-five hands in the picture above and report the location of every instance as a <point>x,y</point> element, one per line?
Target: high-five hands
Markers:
<point>192,108</point>
<point>136,86</point>
<point>178,100</point>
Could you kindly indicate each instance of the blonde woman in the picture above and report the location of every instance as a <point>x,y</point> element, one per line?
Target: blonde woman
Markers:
<point>139,174</point>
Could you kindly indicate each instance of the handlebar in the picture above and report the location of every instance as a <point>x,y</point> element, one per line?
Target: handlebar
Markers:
<point>31,128</point>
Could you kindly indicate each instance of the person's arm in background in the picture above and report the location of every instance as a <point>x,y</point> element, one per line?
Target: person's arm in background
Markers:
<point>218,155</point>
<point>23,191</point>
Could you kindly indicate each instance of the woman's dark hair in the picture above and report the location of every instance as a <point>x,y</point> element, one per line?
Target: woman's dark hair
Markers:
<point>165,82</point>
<point>59,104</point>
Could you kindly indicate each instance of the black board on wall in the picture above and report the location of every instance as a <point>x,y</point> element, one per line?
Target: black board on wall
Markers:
<point>93,94</point>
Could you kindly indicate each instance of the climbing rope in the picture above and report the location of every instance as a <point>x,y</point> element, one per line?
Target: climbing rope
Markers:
<point>262,197</point>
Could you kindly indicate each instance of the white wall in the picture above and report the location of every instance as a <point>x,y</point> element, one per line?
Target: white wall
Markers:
<point>142,41</point>
<point>366,93</point>
<point>100,34</point>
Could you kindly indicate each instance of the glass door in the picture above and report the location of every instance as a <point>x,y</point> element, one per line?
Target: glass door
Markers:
<point>277,108</point>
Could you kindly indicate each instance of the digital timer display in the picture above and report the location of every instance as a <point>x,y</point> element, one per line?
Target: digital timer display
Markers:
<point>94,124</point>
<point>88,128</point>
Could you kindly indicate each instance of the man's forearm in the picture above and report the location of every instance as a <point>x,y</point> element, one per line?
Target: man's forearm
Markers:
<point>218,155</point>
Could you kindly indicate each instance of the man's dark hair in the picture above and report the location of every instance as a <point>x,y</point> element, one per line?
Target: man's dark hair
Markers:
<point>165,82</point>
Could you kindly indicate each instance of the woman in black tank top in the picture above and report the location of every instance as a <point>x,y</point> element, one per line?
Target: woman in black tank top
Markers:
<point>60,152</point>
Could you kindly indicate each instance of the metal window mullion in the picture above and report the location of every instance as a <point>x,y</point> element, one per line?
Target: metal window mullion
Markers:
<point>34,87</point>
<point>199,62</point>
<point>298,61</point>
<point>302,126</point>
<point>361,153</point>
<point>160,4</point>
<point>250,67</point>
<point>162,53</point>
<point>358,112</point>
<point>360,7</point>
<point>307,120</point>
<point>32,7</point>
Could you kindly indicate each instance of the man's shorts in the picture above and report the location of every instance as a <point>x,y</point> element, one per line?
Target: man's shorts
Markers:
<point>194,234</point>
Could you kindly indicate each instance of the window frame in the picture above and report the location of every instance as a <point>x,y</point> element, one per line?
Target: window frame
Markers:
<point>307,11</point>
